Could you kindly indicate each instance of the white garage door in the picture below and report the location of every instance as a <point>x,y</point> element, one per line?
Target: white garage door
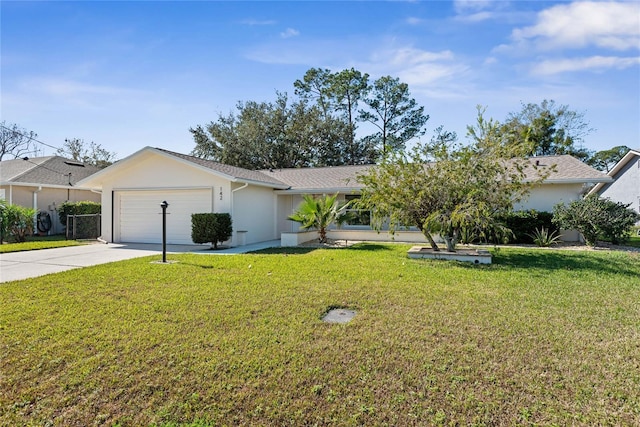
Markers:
<point>141,214</point>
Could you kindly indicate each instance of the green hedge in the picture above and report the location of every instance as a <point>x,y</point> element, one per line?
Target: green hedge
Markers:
<point>525,223</point>
<point>522,224</point>
<point>211,228</point>
<point>77,208</point>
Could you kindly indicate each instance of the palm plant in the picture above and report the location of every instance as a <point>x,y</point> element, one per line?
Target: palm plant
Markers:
<point>544,237</point>
<point>320,213</point>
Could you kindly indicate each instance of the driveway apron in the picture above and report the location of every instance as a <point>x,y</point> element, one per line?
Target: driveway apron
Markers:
<point>27,264</point>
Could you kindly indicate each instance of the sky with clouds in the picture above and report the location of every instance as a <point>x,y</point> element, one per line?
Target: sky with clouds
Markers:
<point>132,74</point>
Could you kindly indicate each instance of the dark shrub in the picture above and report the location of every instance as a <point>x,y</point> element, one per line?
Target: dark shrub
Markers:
<point>516,227</point>
<point>523,224</point>
<point>211,228</point>
<point>77,208</point>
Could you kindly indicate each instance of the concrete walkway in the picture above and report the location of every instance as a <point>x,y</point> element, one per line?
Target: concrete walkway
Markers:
<point>27,264</point>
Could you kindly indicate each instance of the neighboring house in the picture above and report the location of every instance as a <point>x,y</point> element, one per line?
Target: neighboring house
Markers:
<point>625,187</point>
<point>259,201</point>
<point>43,183</point>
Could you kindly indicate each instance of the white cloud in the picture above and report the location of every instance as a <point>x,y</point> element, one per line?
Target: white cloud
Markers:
<point>422,70</point>
<point>549,67</point>
<point>289,32</point>
<point>254,22</point>
<point>611,25</point>
<point>482,10</point>
<point>412,20</point>
<point>462,6</point>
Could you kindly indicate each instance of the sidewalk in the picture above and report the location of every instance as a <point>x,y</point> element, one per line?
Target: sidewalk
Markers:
<point>27,264</point>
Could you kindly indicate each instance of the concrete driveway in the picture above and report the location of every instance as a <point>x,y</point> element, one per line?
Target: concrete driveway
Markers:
<point>27,264</point>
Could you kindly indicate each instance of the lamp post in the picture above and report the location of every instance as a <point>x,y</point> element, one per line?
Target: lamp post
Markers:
<point>164,206</point>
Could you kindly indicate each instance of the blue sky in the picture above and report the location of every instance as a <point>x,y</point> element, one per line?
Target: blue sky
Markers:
<point>132,74</point>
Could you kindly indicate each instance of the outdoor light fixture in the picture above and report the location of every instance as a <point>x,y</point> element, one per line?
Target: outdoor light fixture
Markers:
<point>220,193</point>
<point>164,206</point>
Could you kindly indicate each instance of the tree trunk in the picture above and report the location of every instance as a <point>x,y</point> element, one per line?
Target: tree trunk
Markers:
<point>451,241</point>
<point>432,242</point>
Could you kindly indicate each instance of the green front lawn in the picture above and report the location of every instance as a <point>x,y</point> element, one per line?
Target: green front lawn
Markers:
<point>540,337</point>
<point>38,242</point>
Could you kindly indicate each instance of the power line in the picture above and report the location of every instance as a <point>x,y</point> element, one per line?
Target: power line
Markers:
<point>32,138</point>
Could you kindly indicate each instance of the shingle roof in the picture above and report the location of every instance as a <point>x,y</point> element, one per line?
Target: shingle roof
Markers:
<point>568,169</point>
<point>344,178</point>
<point>231,171</point>
<point>325,178</point>
<point>49,170</point>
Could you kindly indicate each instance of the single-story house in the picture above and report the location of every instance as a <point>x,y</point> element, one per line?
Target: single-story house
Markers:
<point>625,184</point>
<point>43,183</point>
<point>260,201</point>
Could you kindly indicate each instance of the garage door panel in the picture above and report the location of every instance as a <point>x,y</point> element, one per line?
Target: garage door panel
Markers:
<point>141,214</point>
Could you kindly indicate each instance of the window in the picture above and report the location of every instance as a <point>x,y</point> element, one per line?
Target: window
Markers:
<point>359,216</point>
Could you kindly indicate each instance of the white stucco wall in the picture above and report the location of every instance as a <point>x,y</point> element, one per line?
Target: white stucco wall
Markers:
<point>254,212</point>
<point>544,197</point>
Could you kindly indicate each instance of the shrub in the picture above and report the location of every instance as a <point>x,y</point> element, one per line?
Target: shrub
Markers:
<point>77,208</point>
<point>594,217</point>
<point>17,222</point>
<point>211,228</point>
<point>518,227</point>
<point>4,227</point>
<point>523,224</point>
<point>543,238</point>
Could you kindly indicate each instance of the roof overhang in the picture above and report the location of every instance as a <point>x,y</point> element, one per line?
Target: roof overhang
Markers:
<point>603,180</point>
<point>32,184</point>
<point>332,190</point>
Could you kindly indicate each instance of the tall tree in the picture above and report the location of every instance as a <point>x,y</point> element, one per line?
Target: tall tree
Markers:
<point>92,153</point>
<point>348,87</point>
<point>548,129</point>
<point>15,142</point>
<point>396,115</point>
<point>464,186</point>
<point>271,135</point>
<point>316,86</point>
<point>606,159</point>
<point>337,95</point>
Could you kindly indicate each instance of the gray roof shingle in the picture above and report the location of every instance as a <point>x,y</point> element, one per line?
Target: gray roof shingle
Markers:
<point>567,169</point>
<point>325,178</point>
<point>49,170</point>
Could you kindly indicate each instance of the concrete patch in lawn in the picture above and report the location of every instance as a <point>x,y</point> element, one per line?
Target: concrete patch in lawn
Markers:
<point>339,315</point>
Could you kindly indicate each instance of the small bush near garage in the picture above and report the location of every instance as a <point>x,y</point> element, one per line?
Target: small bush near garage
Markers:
<point>77,208</point>
<point>211,228</point>
<point>86,216</point>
